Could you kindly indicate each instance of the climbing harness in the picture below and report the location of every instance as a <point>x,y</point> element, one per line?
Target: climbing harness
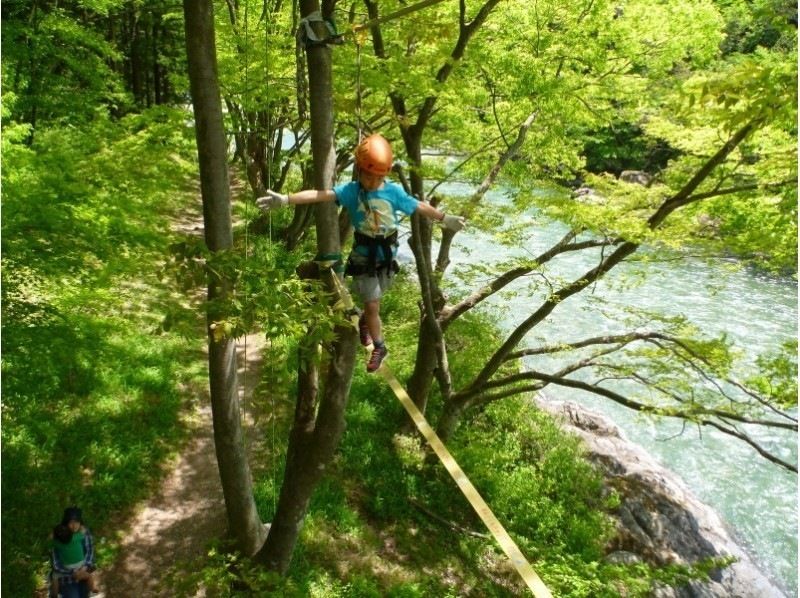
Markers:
<point>373,266</point>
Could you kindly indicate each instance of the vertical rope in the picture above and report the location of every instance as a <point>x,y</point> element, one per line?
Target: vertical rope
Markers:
<point>358,40</point>
<point>243,416</point>
<point>269,147</point>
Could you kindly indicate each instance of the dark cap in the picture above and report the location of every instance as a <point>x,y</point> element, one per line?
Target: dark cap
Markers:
<point>72,514</point>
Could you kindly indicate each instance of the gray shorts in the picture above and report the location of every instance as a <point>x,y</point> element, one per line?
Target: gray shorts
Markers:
<point>371,288</point>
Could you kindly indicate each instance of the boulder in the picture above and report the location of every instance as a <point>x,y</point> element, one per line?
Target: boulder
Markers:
<point>659,520</point>
<point>638,177</point>
<point>587,195</point>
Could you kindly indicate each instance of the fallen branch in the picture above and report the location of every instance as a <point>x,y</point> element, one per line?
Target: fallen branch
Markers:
<point>452,525</point>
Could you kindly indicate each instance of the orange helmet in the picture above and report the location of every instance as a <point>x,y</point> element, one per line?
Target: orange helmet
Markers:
<point>374,155</point>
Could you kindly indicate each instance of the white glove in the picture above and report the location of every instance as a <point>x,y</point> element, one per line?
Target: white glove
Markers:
<point>272,200</point>
<point>453,223</point>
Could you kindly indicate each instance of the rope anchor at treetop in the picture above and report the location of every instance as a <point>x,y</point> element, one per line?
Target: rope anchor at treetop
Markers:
<point>307,35</point>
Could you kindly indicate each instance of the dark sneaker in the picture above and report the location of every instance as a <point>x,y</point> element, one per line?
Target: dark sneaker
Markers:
<point>363,332</point>
<point>379,353</point>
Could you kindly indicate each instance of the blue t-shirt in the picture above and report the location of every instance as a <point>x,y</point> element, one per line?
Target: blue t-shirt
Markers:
<point>376,212</point>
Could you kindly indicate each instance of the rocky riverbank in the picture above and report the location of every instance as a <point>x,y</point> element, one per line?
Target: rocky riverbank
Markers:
<point>659,519</point>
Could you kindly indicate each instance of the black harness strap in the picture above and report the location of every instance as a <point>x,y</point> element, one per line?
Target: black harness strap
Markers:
<point>386,244</point>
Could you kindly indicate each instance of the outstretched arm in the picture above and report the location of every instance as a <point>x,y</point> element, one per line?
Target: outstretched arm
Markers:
<point>453,223</point>
<point>277,200</point>
<point>429,211</point>
<point>311,196</point>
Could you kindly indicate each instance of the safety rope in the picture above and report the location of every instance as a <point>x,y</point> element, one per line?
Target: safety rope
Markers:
<point>268,149</point>
<point>359,40</point>
<point>243,413</point>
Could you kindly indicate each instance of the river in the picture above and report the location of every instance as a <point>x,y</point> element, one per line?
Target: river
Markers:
<point>757,499</point>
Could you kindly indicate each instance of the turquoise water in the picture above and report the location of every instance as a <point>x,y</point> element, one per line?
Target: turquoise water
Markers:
<point>758,500</point>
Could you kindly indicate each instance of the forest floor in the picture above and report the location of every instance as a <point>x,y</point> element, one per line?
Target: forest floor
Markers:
<point>177,522</point>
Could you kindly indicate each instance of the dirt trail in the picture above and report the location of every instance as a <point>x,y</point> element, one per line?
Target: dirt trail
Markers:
<point>177,522</point>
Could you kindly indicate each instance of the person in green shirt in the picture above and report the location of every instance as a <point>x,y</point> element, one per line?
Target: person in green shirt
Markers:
<point>72,557</point>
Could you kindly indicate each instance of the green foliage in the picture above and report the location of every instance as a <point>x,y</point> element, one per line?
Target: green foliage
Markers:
<point>537,480</point>
<point>534,478</point>
<point>549,498</point>
<point>624,146</point>
<point>747,205</point>
<point>759,23</point>
<point>777,377</point>
<point>67,60</point>
<point>222,573</point>
<point>49,56</point>
<point>267,296</point>
<point>756,217</point>
<point>86,224</point>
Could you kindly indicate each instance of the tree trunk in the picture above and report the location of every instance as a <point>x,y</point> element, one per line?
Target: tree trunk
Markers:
<point>449,420</point>
<point>421,380</point>
<point>431,340</point>
<point>313,440</point>
<point>237,487</point>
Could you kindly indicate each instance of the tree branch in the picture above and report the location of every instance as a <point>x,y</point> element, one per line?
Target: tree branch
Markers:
<point>739,189</point>
<point>624,250</point>
<point>642,408</point>
<point>684,196</point>
<point>443,259</point>
<point>685,354</point>
<point>450,313</point>
<point>596,340</point>
<point>759,449</point>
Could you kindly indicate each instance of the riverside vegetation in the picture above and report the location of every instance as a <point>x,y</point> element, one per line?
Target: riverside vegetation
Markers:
<point>102,351</point>
<point>95,393</point>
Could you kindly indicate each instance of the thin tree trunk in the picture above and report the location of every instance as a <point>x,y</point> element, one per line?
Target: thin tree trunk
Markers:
<point>431,350</point>
<point>237,486</point>
<point>314,439</point>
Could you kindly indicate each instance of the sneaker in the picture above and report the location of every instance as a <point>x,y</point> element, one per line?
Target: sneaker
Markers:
<point>379,353</point>
<point>363,332</point>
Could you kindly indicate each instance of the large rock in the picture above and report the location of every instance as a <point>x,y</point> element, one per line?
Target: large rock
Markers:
<point>638,177</point>
<point>659,520</point>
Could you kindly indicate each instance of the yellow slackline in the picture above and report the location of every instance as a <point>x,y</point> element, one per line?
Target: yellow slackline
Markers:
<point>469,491</point>
<point>505,541</point>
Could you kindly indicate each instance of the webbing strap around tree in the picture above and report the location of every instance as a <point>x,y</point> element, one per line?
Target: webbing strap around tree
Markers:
<point>469,491</point>
<point>309,37</point>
